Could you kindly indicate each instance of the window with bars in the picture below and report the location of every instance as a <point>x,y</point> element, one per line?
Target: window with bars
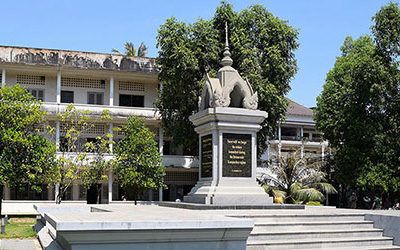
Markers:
<point>95,98</point>
<point>31,79</point>
<point>83,83</point>
<point>131,86</point>
<point>38,94</point>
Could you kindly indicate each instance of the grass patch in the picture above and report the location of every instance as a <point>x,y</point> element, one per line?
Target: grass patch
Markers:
<point>19,227</point>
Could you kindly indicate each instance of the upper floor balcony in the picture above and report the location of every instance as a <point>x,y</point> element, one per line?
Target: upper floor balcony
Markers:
<point>169,161</point>
<point>52,108</point>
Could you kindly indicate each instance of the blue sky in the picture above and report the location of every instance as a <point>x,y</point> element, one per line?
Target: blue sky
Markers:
<point>102,25</point>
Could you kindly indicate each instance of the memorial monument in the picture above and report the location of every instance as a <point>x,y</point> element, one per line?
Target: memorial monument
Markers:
<point>227,124</point>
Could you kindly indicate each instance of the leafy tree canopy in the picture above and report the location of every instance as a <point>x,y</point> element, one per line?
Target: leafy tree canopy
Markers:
<point>26,156</point>
<point>138,165</point>
<point>359,110</point>
<point>262,47</point>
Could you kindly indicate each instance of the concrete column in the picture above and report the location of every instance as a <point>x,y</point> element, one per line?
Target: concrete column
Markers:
<point>110,186</point>
<point>3,78</point>
<point>111,91</point>
<point>279,133</point>
<point>50,193</point>
<point>58,87</point>
<point>75,191</point>
<point>161,150</point>
<point>58,135</point>
<point>160,194</point>
<point>110,130</point>
<point>56,191</point>
<point>161,140</point>
<point>302,141</point>
<point>268,149</point>
<point>323,151</point>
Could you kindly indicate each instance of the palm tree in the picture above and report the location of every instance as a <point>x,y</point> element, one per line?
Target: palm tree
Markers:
<point>130,50</point>
<point>142,50</point>
<point>296,179</point>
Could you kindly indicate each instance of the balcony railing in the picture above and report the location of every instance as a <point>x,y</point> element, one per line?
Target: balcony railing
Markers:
<point>290,138</point>
<point>53,108</point>
<point>177,161</point>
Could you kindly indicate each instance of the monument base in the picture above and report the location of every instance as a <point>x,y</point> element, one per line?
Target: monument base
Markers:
<point>232,192</point>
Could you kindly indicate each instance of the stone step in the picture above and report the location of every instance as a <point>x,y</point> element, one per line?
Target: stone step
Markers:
<point>319,243</point>
<point>359,248</point>
<point>315,225</point>
<point>315,234</point>
<point>282,218</point>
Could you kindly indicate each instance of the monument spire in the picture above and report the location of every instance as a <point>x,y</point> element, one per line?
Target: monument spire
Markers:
<point>227,60</point>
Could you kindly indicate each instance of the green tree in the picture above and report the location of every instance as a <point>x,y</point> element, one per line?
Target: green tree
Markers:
<point>100,163</point>
<point>296,179</point>
<point>262,47</point>
<point>73,149</point>
<point>358,110</point>
<point>27,157</point>
<point>139,166</point>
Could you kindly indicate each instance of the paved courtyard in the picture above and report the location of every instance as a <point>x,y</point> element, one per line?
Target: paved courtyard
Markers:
<point>17,244</point>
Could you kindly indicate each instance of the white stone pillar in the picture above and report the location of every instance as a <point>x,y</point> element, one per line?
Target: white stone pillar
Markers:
<point>111,131</point>
<point>75,191</point>
<point>160,194</point>
<point>58,87</point>
<point>279,133</point>
<point>56,191</point>
<point>50,193</point>
<point>3,78</point>
<point>58,135</point>
<point>111,91</point>
<point>323,151</point>
<point>161,140</point>
<point>110,186</point>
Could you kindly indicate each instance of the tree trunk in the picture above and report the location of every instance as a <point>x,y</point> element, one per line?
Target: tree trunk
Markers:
<point>1,199</point>
<point>98,200</point>
<point>135,196</point>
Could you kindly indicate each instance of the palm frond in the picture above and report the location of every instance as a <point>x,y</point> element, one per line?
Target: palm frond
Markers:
<point>325,187</point>
<point>308,194</point>
<point>278,193</point>
<point>116,51</point>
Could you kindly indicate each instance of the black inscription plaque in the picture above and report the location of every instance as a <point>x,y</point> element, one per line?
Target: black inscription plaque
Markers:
<point>206,156</point>
<point>236,155</point>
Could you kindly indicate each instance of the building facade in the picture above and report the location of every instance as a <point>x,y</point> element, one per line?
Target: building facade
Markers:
<point>125,86</point>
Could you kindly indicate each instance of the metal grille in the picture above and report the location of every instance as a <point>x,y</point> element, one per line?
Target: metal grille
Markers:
<point>83,83</point>
<point>131,86</point>
<point>96,129</point>
<point>31,79</point>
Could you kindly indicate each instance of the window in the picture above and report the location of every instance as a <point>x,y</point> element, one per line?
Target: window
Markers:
<point>131,100</point>
<point>95,98</point>
<point>67,96</point>
<point>31,79</point>
<point>38,94</point>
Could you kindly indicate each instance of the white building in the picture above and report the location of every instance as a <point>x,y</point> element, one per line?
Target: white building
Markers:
<point>125,86</point>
